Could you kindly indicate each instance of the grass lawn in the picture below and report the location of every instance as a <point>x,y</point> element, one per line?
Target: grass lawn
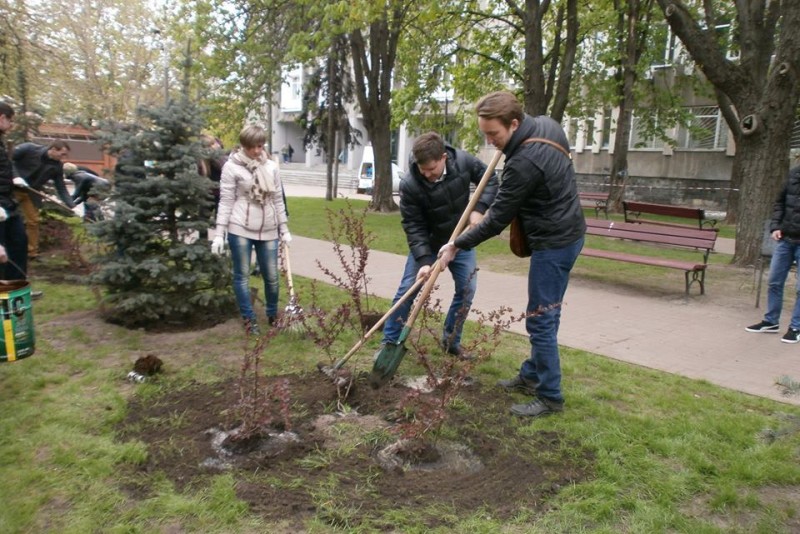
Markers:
<point>658,452</point>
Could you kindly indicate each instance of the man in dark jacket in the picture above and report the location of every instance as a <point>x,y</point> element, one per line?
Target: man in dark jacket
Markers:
<point>12,227</point>
<point>34,166</point>
<point>434,194</point>
<point>538,186</point>
<point>785,229</point>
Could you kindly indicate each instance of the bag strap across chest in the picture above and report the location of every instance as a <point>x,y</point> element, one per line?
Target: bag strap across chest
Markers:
<point>531,140</point>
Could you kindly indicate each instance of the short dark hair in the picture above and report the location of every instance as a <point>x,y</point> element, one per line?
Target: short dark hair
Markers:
<point>6,110</point>
<point>501,105</point>
<point>59,144</point>
<point>428,147</point>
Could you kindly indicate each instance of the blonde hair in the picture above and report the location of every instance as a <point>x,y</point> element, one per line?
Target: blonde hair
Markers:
<point>252,136</point>
<point>70,169</point>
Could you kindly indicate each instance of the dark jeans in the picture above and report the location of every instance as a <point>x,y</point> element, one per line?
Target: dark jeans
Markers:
<point>548,277</point>
<point>464,271</point>
<point>785,255</point>
<point>15,240</point>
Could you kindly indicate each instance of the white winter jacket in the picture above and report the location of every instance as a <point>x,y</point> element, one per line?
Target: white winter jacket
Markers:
<point>239,215</point>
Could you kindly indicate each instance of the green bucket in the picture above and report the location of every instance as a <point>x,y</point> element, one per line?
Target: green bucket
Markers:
<point>16,335</point>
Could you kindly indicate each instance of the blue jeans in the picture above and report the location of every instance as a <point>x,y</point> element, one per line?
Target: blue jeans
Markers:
<point>267,258</point>
<point>785,254</point>
<point>548,277</point>
<point>464,271</point>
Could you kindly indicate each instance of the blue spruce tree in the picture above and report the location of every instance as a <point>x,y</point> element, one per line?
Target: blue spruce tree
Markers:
<point>157,267</point>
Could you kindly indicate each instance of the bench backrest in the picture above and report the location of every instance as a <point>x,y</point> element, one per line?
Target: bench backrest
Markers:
<point>634,210</point>
<point>696,238</point>
<point>593,196</point>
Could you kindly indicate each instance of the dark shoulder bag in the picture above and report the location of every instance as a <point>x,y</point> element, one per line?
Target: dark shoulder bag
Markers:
<point>518,241</point>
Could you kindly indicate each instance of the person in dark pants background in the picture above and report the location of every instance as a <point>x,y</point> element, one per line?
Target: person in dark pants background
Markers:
<point>538,186</point>
<point>785,229</point>
<point>12,227</point>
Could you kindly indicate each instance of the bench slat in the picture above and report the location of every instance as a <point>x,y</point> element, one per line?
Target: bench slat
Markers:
<point>670,235</point>
<point>679,241</point>
<point>644,260</point>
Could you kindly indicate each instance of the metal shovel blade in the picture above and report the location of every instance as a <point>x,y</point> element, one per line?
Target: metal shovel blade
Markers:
<point>388,360</point>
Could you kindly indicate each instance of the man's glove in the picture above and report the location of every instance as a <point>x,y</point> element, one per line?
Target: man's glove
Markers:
<point>286,237</point>
<point>3,215</point>
<point>20,182</point>
<point>218,245</point>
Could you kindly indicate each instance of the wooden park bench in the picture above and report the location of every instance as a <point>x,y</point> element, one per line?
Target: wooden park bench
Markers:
<point>597,201</point>
<point>699,239</point>
<point>638,212</point>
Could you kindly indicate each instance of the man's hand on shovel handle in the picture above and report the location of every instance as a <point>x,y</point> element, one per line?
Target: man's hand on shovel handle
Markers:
<point>424,272</point>
<point>446,254</point>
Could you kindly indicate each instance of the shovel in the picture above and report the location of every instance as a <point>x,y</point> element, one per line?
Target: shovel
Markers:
<point>50,201</point>
<point>331,371</point>
<point>392,353</point>
<point>293,312</point>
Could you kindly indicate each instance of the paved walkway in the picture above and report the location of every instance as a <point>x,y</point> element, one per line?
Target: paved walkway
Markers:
<point>690,337</point>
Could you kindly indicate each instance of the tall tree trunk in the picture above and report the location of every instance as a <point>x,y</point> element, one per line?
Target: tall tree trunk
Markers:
<point>763,157</point>
<point>268,131</point>
<point>382,199</point>
<point>535,101</point>
<point>734,194</point>
<point>330,137</point>
<point>334,189</point>
<point>373,80</point>
<point>629,42</point>
<point>619,160</point>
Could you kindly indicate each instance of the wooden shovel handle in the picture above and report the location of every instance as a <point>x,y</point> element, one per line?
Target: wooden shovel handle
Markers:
<point>289,281</point>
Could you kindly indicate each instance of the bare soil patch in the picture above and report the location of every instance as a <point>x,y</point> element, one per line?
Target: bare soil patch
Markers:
<point>330,463</point>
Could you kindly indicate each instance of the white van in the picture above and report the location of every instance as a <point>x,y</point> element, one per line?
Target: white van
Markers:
<point>366,173</point>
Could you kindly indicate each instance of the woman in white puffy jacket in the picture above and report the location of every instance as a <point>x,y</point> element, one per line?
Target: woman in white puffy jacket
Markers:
<point>253,215</point>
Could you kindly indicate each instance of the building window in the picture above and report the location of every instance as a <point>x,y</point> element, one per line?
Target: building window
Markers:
<point>641,138</point>
<point>606,128</point>
<point>588,133</point>
<point>572,128</point>
<point>705,131</point>
<point>794,142</point>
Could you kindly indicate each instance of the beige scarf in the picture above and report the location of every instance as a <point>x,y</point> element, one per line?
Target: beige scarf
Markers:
<point>263,176</point>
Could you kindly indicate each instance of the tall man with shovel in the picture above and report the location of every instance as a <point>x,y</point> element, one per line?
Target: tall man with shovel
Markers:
<point>433,195</point>
<point>539,188</point>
